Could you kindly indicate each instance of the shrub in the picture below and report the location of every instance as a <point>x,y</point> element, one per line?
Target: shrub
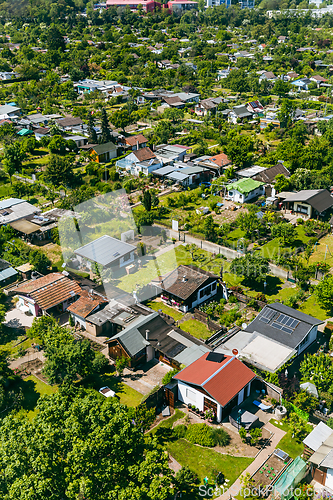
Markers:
<point>100,363</point>
<point>179,431</point>
<point>200,434</point>
<point>232,299</point>
<point>243,434</point>
<point>168,376</point>
<point>221,437</point>
<point>253,303</point>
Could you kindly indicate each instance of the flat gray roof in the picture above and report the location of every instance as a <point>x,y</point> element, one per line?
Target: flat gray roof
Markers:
<point>104,250</point>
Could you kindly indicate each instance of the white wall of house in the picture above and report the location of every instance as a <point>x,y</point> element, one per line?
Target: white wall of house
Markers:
<point>25,304</point>
<point>78,319</point>
<point>311,337</point>
<point>127,259</point>
<point>329,479</point>
<point>207,296</point>
<point>238,197</point>
<point>303,208</point>
<point>189,395</point>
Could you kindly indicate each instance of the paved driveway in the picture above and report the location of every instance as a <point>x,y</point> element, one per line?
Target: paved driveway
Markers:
<point>145,379</point>
<point>15,318</point>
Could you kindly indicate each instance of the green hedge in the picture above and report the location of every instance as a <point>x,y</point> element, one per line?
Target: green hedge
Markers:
<point>291,407</point>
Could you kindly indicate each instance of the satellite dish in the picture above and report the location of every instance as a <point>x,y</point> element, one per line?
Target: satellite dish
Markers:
<point>235,352</point>
<point>244,325</point>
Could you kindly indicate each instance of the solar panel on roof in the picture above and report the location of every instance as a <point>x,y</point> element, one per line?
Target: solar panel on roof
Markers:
<point>176,350</point>
<point>217,357</point>
<point>267,315</point>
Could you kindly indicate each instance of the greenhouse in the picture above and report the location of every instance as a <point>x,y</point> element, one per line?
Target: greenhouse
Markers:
<point>285,485</point>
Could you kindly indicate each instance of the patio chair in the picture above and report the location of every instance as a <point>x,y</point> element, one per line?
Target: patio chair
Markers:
<point>262,406</point>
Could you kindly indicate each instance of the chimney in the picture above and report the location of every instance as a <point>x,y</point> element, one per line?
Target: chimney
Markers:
<point>147,334</point>
<point>137,144</point>
<point>184,278</point>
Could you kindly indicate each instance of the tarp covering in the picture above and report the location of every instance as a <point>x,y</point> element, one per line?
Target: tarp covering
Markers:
<point>290,478</point>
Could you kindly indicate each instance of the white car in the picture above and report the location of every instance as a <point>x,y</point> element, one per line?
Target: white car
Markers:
<point>107,392</point>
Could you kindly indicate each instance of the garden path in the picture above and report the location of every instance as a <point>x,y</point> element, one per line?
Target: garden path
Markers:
<point>277,435</point>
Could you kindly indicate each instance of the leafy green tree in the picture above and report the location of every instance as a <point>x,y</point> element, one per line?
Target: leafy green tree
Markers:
<point>249,223</point>
<point>120,364</point>
<point>282,183</point>
<point>39,261</point>
<point>185,481</point>
<point>281,87</point>
<point>121,118</point>
<point>286,233</point>
<point>305,401</point>
<point>87,447</point>
<point>287,112</point>
<point>317,369</point>
<point>57,145</point>
<point>253,267</point>
<point>106,134</point>
<point>238,81</point>
<point>324,291</point>
<point>256,435</point>
<point>12,158</point>
<point>210,228</point>
<point>240,149</point>
<point>299,428</point>
<point>65,362</point>
<point>59,170</point>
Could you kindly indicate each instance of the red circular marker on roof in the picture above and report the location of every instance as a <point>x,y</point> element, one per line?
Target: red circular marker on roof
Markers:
<point>235,352</point>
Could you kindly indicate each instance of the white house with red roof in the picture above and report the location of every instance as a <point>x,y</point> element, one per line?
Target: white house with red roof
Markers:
<point>215,381</point>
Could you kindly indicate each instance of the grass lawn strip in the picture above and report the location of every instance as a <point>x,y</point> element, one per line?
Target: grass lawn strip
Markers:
<point>156,306</point>
<point>128,396</point>
<point>288,443</point>
<point>196,328</point>
<point>204,461</point>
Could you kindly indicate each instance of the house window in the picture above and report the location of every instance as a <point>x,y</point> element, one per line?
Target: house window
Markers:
<point>127,257</point>
<point>305,340</point>
<point>214,286</point>
<point>302,209</point>
<point>191,395</point>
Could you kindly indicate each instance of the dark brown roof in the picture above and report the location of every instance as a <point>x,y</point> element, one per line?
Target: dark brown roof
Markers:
<point>41,130</point>
<point>85,305</point>
<point>319,199</point>
<point>144,154</point>
<point>173,100</point>
<point>50,290</point>
<point>69,121</point>
<point>185,280</point>
<point>269,174</point>
<point>133,139</point>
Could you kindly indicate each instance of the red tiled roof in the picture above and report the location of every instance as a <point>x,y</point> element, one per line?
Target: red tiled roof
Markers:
<point>50,290</point>
<point>221,380</point>
<point>132,140</point>
<point>144,154</point>
<point>220,159</point>
<point>85,305</point>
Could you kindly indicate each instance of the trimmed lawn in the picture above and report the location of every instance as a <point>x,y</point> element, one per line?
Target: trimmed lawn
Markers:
<point>320,251</point>
<point>32,389</point>
<point>288,443</point>
<point>196,328</point>
<point>127,395</point>
<point>311,307</point>
<point>203,461</point>
<point>176,315</point>
<point>152,267</point>
<point>270,249</point>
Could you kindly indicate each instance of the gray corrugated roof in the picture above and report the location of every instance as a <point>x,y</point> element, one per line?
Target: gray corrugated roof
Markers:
<point>131,338</point>
<point>318,436</point>
<point>10,202</point>
<point>292,340</point>
<point>104,250</point>
<point>177,176</point>
<point>7,273</point>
